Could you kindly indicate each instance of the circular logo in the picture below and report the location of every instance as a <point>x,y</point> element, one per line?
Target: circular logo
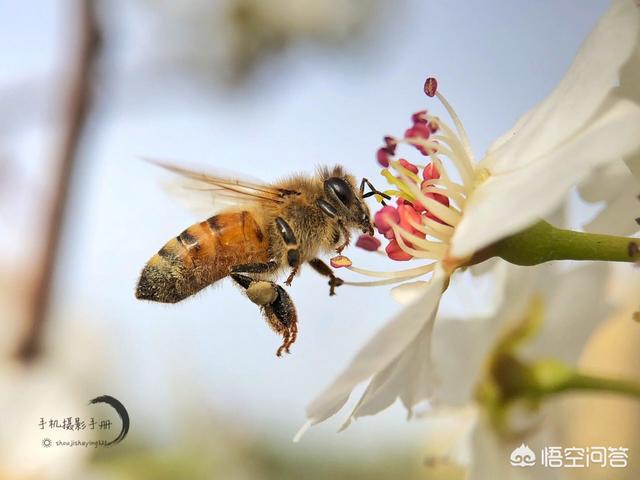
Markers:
<point>46,442</point>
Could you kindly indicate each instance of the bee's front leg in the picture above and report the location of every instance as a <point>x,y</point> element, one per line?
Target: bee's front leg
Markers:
<point>330,211</point>
<point>276,305</point>
<point>324,269</point>
<point>346,235</point>
<point>291,244</point>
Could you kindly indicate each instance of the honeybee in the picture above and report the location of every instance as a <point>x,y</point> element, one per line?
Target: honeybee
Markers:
<point>265,230</point>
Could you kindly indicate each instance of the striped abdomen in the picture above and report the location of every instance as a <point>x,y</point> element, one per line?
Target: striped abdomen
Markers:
<point>201,255</point>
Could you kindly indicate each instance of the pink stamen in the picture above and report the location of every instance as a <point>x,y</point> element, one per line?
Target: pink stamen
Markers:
<point>419,117</point>
<point>369,243</point>
<point>391,144</point>
<point>408,165</point>
<point>418,130</point>
<point>430,172</point>
<point>395,252</point>
<point>430,87</point>
<point>439,198</point>
<point>408,214</point>
<point>383,157</point>
<point>383,217</point>
<point>412,229</point>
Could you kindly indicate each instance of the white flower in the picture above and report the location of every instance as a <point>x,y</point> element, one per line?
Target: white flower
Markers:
<point>581,125</point>
<point>614,184</point>
<point>572,305</point>
<point>525,175</point>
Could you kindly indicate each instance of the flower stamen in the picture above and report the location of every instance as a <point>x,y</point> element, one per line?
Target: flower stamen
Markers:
<point>409,272</point>
<point>429,202</point>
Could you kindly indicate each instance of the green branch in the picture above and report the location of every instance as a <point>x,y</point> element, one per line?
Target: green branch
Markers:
<point>602,384</point>
<point>543,243</point>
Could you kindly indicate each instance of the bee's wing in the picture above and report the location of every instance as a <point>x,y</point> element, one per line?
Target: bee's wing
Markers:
<point>208,193</point>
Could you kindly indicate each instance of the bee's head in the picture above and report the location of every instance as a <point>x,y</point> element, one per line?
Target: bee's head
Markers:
<point>341,192</point>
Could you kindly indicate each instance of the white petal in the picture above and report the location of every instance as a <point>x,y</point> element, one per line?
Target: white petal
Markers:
<point>633,163</point>
<point>408,377</point>
<point>485,267</point>
<point>386,346</point>
<point>409,292</point>
<point>460,346</point>
<point>603,184</point>
<point>630,87</point>
<point>448,434</point>
<point>630,75</point>
<point>615,185</point>
<point>618,216</point>
<point>578,96</point>
<point>574,304</point>
<point>507,203</point>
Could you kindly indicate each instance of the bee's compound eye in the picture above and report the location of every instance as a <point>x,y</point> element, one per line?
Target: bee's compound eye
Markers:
<point>341,189</point>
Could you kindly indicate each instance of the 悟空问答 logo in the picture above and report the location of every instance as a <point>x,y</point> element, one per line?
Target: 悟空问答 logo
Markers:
<point>523,456</point>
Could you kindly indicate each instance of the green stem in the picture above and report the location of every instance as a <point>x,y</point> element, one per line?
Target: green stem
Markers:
<point>583,382</point>
<point>543,243</point>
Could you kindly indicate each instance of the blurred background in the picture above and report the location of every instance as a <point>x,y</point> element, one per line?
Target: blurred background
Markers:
<point>87,88</point>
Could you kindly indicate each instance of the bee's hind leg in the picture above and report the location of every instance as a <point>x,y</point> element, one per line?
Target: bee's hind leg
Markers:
<point>276,305</point>
<point>324,269</point>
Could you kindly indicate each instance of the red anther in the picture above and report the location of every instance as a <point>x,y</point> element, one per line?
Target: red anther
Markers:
<point>391,144</point>
<point>382,155</point>
<point>430,86</point>
<point>419,117</point>
<point>418,207</point>
<point>383,217</point>
<point>369,243</point>
<point>408,215</point>
<point>430,172</point>
<point>418,130</point>
<point>443,199</point>
<point>394,252</point>
<point>408,165</point>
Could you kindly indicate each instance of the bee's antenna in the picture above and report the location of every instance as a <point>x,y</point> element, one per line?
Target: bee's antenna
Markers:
<point>373,191</point>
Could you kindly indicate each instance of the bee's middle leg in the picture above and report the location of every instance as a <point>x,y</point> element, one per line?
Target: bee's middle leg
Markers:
<point>291,243</point>
<point>276,305</point>
<point>324,269</point>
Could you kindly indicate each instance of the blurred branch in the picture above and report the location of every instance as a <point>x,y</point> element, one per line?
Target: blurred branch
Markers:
<point>78,99</point>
